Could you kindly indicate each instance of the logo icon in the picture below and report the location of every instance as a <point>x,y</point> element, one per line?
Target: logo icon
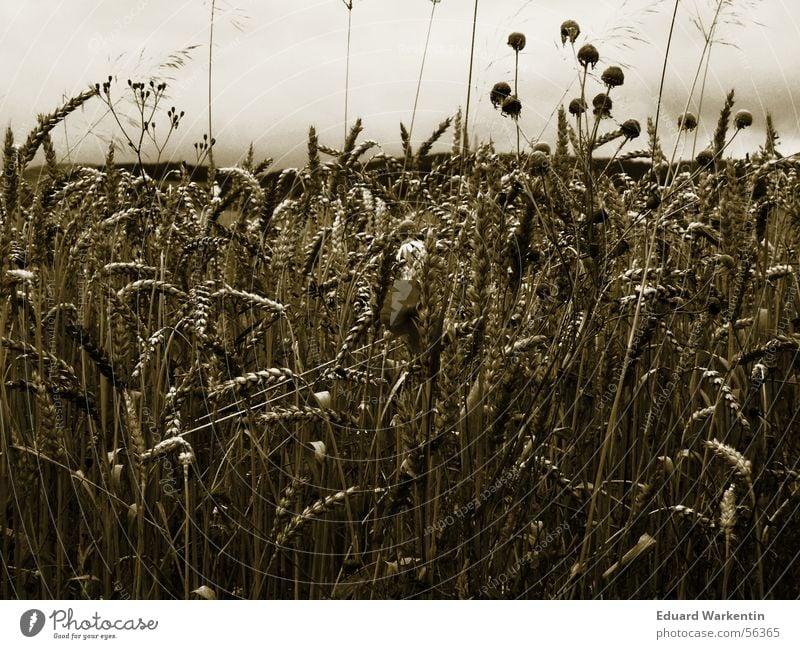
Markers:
<point>31,622</point>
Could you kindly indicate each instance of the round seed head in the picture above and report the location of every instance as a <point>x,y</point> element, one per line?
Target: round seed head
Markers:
<point>705,157</point>
<point>588,55</point>
<point>602,105</point>
<point>512,107</point>
<point>570,30</point>
<point>577,107</point>
<point>540,163</point>
<point>687,122</point>
<point>613,76</point>
<point>743,119</point>
<point>500,91</point>
<point>516,41</point>
<point>544,147</point>
<point>631,129</point>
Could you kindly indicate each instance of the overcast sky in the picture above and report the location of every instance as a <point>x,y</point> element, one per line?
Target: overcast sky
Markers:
<point>279,66</point>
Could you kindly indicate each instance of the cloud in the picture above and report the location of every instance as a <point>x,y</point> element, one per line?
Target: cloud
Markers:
<point>279,67</point>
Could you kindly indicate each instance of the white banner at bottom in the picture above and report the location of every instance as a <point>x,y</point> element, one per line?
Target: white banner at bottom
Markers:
<point>399,625</point>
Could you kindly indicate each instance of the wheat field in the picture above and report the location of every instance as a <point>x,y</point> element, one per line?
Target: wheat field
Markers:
<point>548,373</point>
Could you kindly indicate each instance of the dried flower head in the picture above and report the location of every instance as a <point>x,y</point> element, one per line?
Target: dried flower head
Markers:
<point>613,76</point>
<point>631,129</point>
<point>516,41</point>
<point>570,30</point>
<point>602,105</point>
<point>743,119</point>
<point>705,157</point>
<point>512,107</point>
<point>500,91</point>
<point>540,163</point>
<point>577,107</point>
<point>687,122</point>
<point>588,55</point>
<point>544,147</point>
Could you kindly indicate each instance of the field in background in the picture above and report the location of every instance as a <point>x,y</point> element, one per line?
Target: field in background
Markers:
<point>463,375</point>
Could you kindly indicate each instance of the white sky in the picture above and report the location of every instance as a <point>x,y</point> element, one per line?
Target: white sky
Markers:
<point>279,66</point>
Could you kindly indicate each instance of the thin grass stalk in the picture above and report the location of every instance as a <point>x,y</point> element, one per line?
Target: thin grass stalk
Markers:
<point>608,439</point>
<point>349,5</point>
<point>187,561</point>
<point>210,94</point>
<point>700,103</point>
<point>465,138</point>
<point>516,93</point>
<point>705,55</point>
<point>664,67</point>
<point>422,68</point>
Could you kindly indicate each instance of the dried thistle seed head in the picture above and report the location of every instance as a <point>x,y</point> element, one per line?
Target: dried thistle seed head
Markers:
<point>570,30</point>
<point>544,147</point>
<point>516,41</point>
<point>588,55</point>
<point>743,119</point>
<point>705,157</point>
<point>577,106</point>
<point>540,163</point>
<point>500,91</point>
<point>631,129</point>
<point>687,122</point>
<point>602,105</point>
<point>613,76</point>
<point>512,107</point>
